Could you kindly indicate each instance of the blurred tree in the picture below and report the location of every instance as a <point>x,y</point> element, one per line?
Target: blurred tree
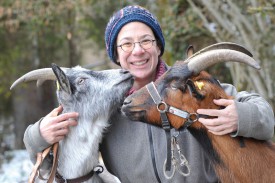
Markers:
<point>33,34</point>
<point>249,23</point>
<point>233,23</point>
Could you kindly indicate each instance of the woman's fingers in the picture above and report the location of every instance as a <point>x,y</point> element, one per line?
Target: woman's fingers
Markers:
<point>224,120</point>
<point>65,117</point>
<point>54,128</point>
<point>65,124</point>
<point>55,111</point>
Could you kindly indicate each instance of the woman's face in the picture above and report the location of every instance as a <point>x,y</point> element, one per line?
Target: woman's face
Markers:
<point>140,62</point>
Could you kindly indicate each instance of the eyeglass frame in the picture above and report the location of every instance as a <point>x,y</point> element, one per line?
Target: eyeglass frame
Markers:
<point>134,43</point>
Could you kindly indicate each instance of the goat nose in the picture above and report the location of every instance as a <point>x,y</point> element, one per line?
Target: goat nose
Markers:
<point>123,71</point>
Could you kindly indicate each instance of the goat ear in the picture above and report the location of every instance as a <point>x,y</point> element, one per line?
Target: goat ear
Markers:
<point>189,51</point>
<point>62,79</point>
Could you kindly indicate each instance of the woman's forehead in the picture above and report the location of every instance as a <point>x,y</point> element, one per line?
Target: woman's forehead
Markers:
<point>134,30</point>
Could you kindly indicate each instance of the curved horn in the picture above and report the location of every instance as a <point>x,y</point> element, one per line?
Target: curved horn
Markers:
<point>222,45</point>
<point>40,75</point>
<point>209,58</point>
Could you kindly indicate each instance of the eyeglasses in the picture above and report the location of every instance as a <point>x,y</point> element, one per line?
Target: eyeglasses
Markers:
<point>129,47</point>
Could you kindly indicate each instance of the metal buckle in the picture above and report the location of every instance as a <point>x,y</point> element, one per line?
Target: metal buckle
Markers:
<point>160,105</point>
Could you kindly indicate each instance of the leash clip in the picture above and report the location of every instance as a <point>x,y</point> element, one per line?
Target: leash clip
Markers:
<point>176,163</point>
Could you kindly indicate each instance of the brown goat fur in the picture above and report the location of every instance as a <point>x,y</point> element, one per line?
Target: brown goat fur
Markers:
<point>255,162</point>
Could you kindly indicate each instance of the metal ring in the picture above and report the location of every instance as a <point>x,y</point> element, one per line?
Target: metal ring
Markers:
<point>165,106</point>
<point>193,115</point>
<point>182,173</point>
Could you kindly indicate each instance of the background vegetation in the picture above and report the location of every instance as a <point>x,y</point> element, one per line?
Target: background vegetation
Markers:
<point>35,33</point>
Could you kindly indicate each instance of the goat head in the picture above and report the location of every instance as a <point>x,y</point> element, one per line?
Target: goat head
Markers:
<point>179,86</point>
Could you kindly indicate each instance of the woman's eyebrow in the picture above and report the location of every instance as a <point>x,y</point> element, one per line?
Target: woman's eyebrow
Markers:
<point>147,35</point>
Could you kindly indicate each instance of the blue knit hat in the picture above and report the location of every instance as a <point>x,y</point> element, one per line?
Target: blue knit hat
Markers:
<point>124,16</point>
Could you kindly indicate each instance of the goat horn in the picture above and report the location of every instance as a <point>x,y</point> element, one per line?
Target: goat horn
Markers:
<point>222,45</point>
<point>209,58</point>
<point>40,75</point>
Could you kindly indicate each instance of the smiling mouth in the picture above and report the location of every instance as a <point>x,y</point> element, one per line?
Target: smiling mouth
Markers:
<point>138,63</point>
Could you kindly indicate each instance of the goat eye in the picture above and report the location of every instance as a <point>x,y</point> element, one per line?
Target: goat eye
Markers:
<point>81,81</point>
<point>173,86</point>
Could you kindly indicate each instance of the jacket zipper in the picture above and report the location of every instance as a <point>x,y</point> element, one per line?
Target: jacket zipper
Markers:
<point>153,152</point>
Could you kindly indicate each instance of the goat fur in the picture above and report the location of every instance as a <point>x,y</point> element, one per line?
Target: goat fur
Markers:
<point>95,95</point>
<point>233,164</point>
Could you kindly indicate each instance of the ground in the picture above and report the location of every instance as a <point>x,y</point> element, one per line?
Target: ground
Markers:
<point>16,167</point>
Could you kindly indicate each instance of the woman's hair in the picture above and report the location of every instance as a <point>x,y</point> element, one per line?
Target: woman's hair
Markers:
<point>124,16</point>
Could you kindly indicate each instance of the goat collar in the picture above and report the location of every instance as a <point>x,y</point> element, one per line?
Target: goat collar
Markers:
<point>60,179</point>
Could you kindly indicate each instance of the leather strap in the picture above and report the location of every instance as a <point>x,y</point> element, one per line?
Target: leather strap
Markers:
<point>55,161</point>
<point>39,160</point>
<point>59,178</point>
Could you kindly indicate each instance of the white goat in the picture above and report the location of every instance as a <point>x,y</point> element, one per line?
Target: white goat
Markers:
<point>94,95</point>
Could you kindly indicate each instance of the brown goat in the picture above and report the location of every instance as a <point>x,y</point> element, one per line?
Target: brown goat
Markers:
<point>186,87</point>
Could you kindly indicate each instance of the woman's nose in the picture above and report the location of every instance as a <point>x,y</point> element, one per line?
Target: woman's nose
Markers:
<point>138,49</point>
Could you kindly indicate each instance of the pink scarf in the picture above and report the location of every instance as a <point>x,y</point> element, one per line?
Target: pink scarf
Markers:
<point>161,69</point>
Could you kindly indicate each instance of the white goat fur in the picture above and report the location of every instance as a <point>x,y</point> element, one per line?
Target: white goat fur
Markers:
<point>95,99</point>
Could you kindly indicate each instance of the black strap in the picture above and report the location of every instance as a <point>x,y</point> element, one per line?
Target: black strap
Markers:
<point>165,122</point>
<point>166,126</point>
<point>154,93</point>
<point>153,152</point>
<point>187,124</point>
<point>241,141</point>
<point>60,179</point>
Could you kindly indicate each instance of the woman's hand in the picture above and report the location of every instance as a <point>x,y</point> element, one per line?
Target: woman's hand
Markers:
<point>54,127</point>
<point>226,120</point>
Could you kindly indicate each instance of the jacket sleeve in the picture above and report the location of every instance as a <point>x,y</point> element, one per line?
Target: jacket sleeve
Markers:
<point>256,117</point>
<point>35,143</point>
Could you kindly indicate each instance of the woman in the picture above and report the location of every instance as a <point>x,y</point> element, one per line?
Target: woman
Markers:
<point>135,151</point>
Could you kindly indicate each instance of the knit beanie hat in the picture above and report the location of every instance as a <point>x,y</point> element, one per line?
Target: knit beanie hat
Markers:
<point>124,16</point>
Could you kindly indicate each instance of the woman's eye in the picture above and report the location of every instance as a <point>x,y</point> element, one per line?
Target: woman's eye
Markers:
<point>127,44</point>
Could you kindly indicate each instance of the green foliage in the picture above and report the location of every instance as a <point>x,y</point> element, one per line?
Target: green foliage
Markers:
<point>181,28</point>
<point>34,34</point>
<point>12,51</point>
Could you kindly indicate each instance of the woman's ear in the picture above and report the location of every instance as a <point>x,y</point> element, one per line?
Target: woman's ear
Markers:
<point>116,57</point>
